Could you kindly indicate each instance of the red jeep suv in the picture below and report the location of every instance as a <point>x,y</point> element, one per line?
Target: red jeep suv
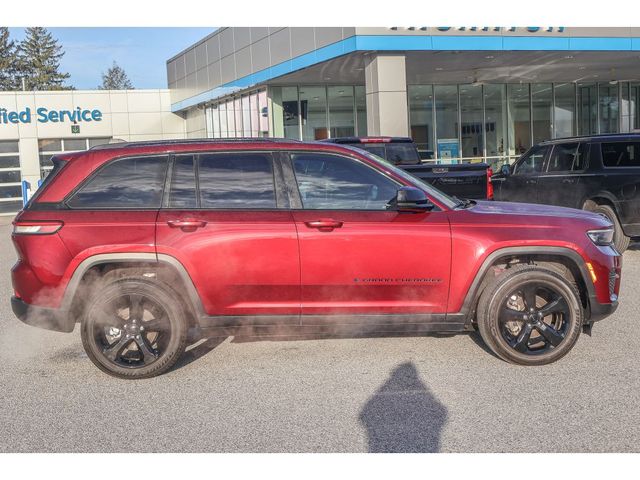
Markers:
<point>153,245</point>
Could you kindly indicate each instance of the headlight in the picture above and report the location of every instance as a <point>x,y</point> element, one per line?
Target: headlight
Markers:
<point>602,236</point>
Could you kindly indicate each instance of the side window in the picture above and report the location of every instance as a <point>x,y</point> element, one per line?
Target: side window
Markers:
<point>331,182</point>
<point>531,163</point>
<point>131,183</point>
<point>236,180</point>
<point>582,158</point>
<point>621,154</point>
<point>182,193</point>
<point>563,157</point>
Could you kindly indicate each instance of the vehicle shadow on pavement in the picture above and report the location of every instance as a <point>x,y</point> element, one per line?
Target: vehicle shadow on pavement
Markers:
<point>197,351</point>
<point>403,415</point>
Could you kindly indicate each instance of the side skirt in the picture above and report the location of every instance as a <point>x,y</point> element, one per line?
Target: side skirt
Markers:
<point>330,325</point>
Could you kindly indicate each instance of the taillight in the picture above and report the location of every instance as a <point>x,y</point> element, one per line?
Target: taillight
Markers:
<point>375,140</point>
<point>489,184</point>
<point>36,228</point>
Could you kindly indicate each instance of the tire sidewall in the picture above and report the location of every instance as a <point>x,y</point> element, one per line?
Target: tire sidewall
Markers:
<point>620,240</point>
<point>489,319</point>
<point>165,298</point>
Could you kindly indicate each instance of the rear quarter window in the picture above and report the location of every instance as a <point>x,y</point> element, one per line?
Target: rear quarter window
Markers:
<point>621,154</point>
<point>128,183</point>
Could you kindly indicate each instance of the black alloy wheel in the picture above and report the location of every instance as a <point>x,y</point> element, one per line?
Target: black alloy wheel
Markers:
<point>534,319</point>
<point>134,329</point>
<point>530,315</point>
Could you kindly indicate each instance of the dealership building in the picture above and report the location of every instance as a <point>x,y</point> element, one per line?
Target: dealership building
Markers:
<point>462,93</point>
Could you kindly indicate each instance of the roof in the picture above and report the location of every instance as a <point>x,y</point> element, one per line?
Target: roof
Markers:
<point>602,136</point>
<point>189,141</point>
<point>378,139</point>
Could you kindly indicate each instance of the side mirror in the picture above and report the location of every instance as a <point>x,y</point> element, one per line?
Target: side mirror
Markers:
<point>411,199</point>
<point>505,170</point>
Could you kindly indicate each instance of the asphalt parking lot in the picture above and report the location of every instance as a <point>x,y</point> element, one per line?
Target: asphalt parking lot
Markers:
<point>421,394</point>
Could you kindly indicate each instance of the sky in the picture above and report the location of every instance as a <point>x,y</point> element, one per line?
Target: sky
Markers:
<point>142,52</point>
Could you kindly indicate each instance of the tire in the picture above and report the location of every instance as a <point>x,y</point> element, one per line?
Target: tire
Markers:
<point>134,344</point>
<point>620,240</point>
<point>526,337</point>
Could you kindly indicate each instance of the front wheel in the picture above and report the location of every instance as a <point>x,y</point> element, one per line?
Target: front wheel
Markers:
<point>530,315</point>
<point>134,329</point>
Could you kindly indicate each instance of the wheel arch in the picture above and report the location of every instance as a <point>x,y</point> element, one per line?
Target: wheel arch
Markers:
<point>143,264</point>
<point>541,255</point>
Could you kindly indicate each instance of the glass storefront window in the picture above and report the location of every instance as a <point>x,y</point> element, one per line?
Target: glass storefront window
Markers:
<point>255,114</point>
<point>564,111</point>
<point>291,112</point>
<point>495,105</point>
<point>361,110</point>
<point>519,118</point>
<point>609,108</point>
<point>215,122</point>
<point>446,101</point>
<point>263,114</point>
<point>587,109</point>
<point>237,114</point>
<point>634,106</point>
<point>541,104</point>
<point>231,120</point>
<point>313,109</point>
<point>224,131</point>
<point>421,118</point>
<point>471,131</point>
<point>246,117</point>
<point>341,118</point>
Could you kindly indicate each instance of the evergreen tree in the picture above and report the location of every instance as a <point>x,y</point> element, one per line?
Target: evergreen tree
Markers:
<point>115,79</point>
<point>39,58</point>
<point>9,75</point>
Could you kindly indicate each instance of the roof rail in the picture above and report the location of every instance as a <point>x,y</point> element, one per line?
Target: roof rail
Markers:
<point>187,141</point>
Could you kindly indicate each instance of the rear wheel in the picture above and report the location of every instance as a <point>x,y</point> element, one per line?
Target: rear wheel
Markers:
<point>530,315</point>
<point>134,329</point>
<point>620,240</point>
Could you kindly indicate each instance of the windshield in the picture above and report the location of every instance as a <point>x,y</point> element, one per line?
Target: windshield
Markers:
<point>441,197</point>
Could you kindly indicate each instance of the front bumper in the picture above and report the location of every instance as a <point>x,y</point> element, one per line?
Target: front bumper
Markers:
<point>47,318</point>
<point>599,311</point>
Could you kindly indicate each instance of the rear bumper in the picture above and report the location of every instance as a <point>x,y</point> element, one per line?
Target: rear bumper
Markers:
<point>47,318</point>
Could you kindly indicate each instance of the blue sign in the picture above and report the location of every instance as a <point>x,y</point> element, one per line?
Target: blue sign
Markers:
<point>448,149</point>
<point>44,115</point>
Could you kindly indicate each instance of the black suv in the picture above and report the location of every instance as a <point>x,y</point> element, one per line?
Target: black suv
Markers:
<point>597,173</point>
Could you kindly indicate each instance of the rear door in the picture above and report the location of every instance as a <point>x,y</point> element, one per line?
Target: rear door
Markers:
<point>226,222</point>
<point>358,257</point>
<point>562,182</point>
<point>522,184</point>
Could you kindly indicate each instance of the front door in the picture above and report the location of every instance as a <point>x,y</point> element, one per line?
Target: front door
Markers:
<point>225,223</point>
<point>522,184</point>
<point>562,181</point>
<point>358,257</point>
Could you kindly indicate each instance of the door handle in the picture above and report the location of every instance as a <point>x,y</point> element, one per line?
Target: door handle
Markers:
<point>324,224</point>
<point>186,225</point>
<point>532,181</point>
<point>568,180</point>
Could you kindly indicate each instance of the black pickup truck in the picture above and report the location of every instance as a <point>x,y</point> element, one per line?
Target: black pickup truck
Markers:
<point>463,180</point>
<point>597,173</point>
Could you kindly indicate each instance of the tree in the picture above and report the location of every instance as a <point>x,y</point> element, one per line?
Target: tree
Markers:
<point>116,79</point>
<point>39,59</point>
<point>9,76</point>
